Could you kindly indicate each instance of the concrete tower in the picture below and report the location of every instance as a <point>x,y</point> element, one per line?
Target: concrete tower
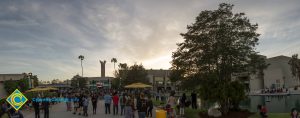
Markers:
<point>102,68</point>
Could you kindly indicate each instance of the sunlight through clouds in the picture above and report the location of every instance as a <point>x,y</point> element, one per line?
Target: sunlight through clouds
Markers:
<point>46,37</point>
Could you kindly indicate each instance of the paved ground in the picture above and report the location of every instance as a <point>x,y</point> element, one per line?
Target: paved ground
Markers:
<point>59,111</point>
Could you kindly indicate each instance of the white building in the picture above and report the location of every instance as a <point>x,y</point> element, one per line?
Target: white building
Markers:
<point>277,75</point>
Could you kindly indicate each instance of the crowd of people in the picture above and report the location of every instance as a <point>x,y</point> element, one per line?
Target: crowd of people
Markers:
<point>127,104</point>
<point>124,103</point>
<point>274,90</point>
<point>116,102</point>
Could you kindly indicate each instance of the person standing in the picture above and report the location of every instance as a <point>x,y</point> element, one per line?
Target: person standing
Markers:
<point>123,103</point>
<point>172,102</point>
<point>150,107</point>
<point>107,101</point>
<point>81,97</point>
<point>262,111</point>
<point>68,103</point>
<point>142,106</point>
<point>4,107</point>
<point>294,113</point>
<point>194,100</point>
<point>182,104</point>
<point>94,103</point>
<point>115,103</point>
<point>36,107</point>
<point>129,109</point>
<point>15,114</point>
<point>76,103</point>
<point>85,105</point>
<point>46,104</point>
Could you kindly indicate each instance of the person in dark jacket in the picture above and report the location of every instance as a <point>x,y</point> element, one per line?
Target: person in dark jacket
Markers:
<point>182,104</point>
<point>46,104</point>
<point>194,100</point>
<point>142,106</point>
<point>150,107</point>
<point>36,106</point>
<point>15,114</point>
<point>94,103</point>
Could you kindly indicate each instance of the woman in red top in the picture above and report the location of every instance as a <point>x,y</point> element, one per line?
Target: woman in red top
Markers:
<point>116,103</point>
<point>263,111</point>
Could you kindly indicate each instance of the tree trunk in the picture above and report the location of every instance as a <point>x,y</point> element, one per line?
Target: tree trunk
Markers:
<point>81,69</point>
<point>225,106</point>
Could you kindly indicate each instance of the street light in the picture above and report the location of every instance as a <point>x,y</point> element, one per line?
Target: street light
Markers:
<point>29,80</point>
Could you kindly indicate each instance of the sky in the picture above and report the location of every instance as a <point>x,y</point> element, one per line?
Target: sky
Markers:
<point>46,37</point>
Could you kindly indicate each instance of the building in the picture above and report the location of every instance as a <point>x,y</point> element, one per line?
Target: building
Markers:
<point>160,79</point>
<point>100,82</point>
<point>13,77</point>
<point>277,75</point>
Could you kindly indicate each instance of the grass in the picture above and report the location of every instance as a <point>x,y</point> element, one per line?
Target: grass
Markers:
<point>158,102</point>
<point>273,115</point>
<point>192,113</point>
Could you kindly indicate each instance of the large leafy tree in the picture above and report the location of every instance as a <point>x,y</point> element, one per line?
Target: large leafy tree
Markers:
<point>35,81</point>
<point>120,75</point>
<point>295,66</point>
<point>219,44</point>
<point>78,81</point>
<point>10,86</point>
<point>132,74</point>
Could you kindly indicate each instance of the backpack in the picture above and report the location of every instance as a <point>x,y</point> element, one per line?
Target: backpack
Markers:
<point>150,104</point>
<point>123,100</point>
<point>143,105</point>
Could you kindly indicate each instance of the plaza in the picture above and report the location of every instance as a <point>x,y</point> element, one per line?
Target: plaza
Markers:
<point>60,111</point>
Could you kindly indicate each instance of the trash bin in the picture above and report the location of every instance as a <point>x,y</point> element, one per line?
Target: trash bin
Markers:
<point>161,114</point>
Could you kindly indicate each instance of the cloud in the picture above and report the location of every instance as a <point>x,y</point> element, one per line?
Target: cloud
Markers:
<point>46,37</point>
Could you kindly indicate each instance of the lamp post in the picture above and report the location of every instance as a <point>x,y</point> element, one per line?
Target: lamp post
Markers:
<point>29,80</point>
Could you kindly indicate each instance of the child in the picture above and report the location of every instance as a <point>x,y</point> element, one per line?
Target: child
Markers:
<point>294,113</point>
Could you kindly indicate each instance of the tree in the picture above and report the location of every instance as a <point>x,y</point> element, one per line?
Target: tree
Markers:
<point>216,46</point>
<point>132,74</point>
<point>35,81</point>
<point>81,58</point>
<point>115,83</point>
<point>78,81</point>
<point>294,63</point>
<point>10,86</point>
<point>23,84</point>
<point>82,82</point>
<point>120,75</point>
<point>114,60</point>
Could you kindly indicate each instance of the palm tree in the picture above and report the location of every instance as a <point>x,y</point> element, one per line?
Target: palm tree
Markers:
<point>81,58</point>
<point>295,66</point>
<point>114,60</point>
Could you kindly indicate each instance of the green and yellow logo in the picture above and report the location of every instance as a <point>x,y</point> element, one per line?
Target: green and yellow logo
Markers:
<point>16,99</point>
